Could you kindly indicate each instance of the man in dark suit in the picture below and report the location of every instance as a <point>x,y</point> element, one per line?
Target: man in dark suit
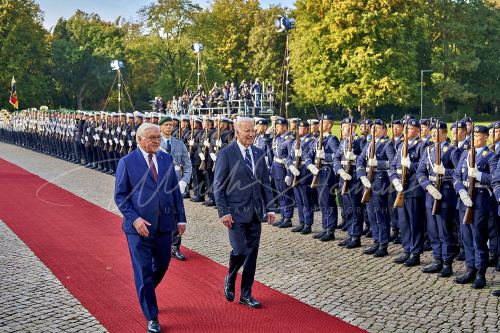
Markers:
<point>242,191</point>
<point>148,196</point>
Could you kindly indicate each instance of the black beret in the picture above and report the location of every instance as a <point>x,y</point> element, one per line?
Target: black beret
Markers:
<point>262,122</point>
<point>460,124</point>
<point>496,125</point>
<point>378,122</point>
<point>413,122</point>
<point>467,119</point>
<point>440,125</point>
<point>397,122</point>
<point>349,120</point>
<point>281,121</point>
<point>425,122</point>
<point>328,116</point>
<point>481,129</point>
<point>303,123</point>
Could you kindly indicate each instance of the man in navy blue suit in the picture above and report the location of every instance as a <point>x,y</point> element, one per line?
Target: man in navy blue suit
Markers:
<point>242,191</point>
<point>148,196</point>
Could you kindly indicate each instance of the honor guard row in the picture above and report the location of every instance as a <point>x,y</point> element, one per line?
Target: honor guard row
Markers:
<point>418,183</point>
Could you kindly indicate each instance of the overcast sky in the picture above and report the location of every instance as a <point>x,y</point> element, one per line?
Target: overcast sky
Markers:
<point>109,10</point>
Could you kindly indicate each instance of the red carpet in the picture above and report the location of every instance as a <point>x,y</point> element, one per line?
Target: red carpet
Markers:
<point>83,245</point>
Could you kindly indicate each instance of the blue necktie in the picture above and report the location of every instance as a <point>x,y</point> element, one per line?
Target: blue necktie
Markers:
<point>248,160</point>
<point>169,147</point>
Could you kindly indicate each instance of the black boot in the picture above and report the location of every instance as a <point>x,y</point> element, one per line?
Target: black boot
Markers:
<point>496,293</point>
<point>328,236</point>
<point>492,259</point>
<point>287,223</point>
<point>354,243</point>
<point>467,277</point>
<point>298,228</point>
<point>435,267</point>
<point>341,225</point>
<point>381,252</point>
<point>278,222</point>
<point>402,258</point>
<point>427,244</point>
<point>344,242</point>
<point>480,281</point>
<point>461,255</point>
<point>447,270</point>
<point>306,230</point>
<point>319,234</point>
<point>413,260</point>
<point>371,249</point>
<point>395,234</point>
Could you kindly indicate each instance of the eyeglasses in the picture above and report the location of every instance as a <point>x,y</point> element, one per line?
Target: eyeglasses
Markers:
<point>153,138</point>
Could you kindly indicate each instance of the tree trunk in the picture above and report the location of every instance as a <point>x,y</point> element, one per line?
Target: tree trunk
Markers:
<point>80,97</point>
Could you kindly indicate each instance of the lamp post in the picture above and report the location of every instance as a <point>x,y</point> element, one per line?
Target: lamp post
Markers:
<point>422,90</point>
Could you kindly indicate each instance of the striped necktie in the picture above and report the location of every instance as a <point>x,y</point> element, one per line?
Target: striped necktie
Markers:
<point>248,159</point>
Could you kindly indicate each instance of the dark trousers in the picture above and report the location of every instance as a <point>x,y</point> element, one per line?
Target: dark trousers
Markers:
<point>326,198</point>
<point>198,182</point>
<point>351,203</point>
<point>303,199</point>
<point>475,238</point>
<point>209,180</point>
<point>150,259</point>
<point>411,222</point>
<point>244,239</point>
<point>441,235</point>
<point>378,216</point>
<point>285,198</point>
<point>176,238</point>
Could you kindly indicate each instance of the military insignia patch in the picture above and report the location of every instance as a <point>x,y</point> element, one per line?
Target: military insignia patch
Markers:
<point>445,149</point>
<point>382,140</point>
<point>466,147</point>
<point>484,153</point>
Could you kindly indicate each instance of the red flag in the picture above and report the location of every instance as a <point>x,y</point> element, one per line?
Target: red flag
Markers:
<point>13,95</point>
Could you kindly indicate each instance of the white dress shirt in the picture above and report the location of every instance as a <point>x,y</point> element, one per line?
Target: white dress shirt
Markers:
<point>146,157</point>
<point>243,149</point>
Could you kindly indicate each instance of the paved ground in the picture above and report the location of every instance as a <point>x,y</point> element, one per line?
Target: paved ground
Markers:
<point>373,294</point>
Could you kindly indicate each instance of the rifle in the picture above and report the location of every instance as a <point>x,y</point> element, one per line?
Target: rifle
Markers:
<point>192,136</point>
<point>347,167</point>
<point>469,212</point>
<point>297,158</point>
<point>371,170</point>
<point>392,128</point>
<point>456,134</point>
<point>398,203</point>
<point>436,206</point>
<point>314,183</point>
<point>203,165</point>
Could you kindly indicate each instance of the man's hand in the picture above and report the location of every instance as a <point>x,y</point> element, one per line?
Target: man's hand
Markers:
<point>372,162</point>
<point>320,154</point>
<point>271,217</point>
<point>366,182</point>
<point>440,170</point>
<point>406,162</point>
<point>397,185</point>
<point>344,175</point>
<point>191,142</point>
<point>141,225</point>
<point>213,156</point>
<point>227,220</point>
<point>472,172</point>
<point>350,156</point>
<point>294,170</point>
<point>206,143</point>
<point>182,186</point>
<point>433,191</point>
<point>313,169</point>
<point>464,196</point>
<point>298,152</point>
<point>288,180</point>
<point>202,156</point>
<point>181,228</point>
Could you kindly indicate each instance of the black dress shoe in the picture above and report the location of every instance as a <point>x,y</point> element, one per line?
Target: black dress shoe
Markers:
<point>492,259</point>
<point>306,230</point>
<point>341,225</point>
<point>250,302</point>
<point>427,245</point>
<point>186,195</point>
<point>496,293</point>
<point>154,326</point>
<point>328,236</point>
<point>397,240</point>
<point>177,254</point>
<point>197,199</point>
<point>228,290</point>
<point>287,223</point>
<point>344,242</point>
<point>369,234</point>
<point>479,282</point>
<point>371,249</point>
<point>381,252</point>
<point>447,270</point>
<point>210,203</point>
<point>467,277</point>
<point>319,234</point>
<point>413,260</point>
<point>278,222</point>
<point>402,258</point>
<point>435,267</point>
<point>297,228</point>
<point>354,243</point>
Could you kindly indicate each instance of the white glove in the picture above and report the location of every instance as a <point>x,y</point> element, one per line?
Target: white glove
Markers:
<point>397,185</point>
<point>288,180</point>
<point>464,196</point>
<point>313,169</point>
<point>213,156</point>
<point>405,161</point>
<point>366,182</point>
<point>440,170</point>
<point>182,186</point>
<point>344,175</point>
<point>294,170</point>
<point>206,143</point>
<point>372,162</point>
<point>434,192</point>
<point>298,152</point>
<point>472,172</point>
<point>191,142</point>
<point>320,154</point>
<point>350,156</point>
<point>218,143</point>
<point>202,156</point>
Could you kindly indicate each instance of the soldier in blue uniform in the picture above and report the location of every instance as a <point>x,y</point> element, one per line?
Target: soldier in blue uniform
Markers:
<point>439,226</point>
<point>496,185</point>
<point>193,147</point>
<point>397,139</point>
<point>411,216</point>
<point>326,178</point>
<point>302,191</point>
<point>364,131</point>
<point>377,207</point>
<point>279,173</point>
<point>475,235</point>
<point>351,200</point>
<point>495,146</point>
